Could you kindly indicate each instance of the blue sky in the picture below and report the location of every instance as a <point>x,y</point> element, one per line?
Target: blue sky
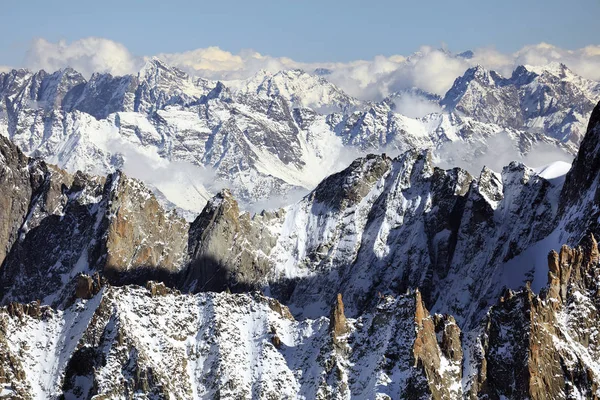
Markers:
<point>306,31</point>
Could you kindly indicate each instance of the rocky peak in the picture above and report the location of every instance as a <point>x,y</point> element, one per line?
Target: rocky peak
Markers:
<point>437,350</point>
<point>155,68</point>
<point>161,85</point>
<point>522,76</point>
<point>220,91</point>
<point>531,344</point>
<point>141,239</point>
<point>16,189</point>
<point>105,94</point>
<point>574,269</point>
<point>300,89</point>
<point>481,75</point>
<point>222,249</point>
<point>531,98</point>
<point>553,70</point>
<point>59,89</point>
<point>583,175</point>
<point>460,86</point>
<point>348,187</point>
<point>490,187</point>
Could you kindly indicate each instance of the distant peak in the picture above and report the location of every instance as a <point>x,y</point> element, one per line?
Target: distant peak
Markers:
<point>69,72</point>
<point>262,73</point>
<point>477,70</point>
<point>522,75</point>
<point>554,68</point>
<point>219,91</point>
<point>157,61</point>
<point>482,75</point>
<point>467,55</point>
<point>322,71</point>
<point>292,73</point>
<point>153,64</point>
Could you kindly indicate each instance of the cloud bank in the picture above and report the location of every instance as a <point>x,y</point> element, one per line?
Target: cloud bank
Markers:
<point>497,152</point>
<point>414,106</point>
<point>430,69</point>
<point>86,55</point>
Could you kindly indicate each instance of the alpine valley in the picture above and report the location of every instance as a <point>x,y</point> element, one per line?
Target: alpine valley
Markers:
<point>136,260</point>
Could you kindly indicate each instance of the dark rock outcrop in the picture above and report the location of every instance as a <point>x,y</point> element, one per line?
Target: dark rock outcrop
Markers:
<point>87,286</point>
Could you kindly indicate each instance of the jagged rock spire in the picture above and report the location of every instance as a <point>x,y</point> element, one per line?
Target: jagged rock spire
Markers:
<point>338,326</point>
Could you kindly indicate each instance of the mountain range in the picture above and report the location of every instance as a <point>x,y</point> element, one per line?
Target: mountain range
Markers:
<point>273,137</point>
<point>391,278</point>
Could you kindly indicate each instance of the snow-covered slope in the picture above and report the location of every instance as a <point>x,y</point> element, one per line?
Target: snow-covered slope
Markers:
<point>218,345</point>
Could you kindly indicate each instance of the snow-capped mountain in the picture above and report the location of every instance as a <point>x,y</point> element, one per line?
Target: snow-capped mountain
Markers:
<point>550,100</point>
<point>265,138</point>
<point>391,279</point>
<point>303,90</point>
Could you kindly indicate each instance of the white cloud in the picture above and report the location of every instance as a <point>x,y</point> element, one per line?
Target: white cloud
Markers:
<point>585,61</point>
<point>430,69</point>
<point>181,183</point>
<point>414,106</point>
<point>495,153</point>
<point>544,154</point>
<point>86,55</point>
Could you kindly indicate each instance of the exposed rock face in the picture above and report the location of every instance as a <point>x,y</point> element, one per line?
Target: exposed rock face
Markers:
<point>226,248</point>
<point>347,188</point>
<point>16,190</point>
<point>59,226</point>
<point>140,235</point>
<point>87,286</point>
<point>402,224</point>
<point>398,238</point>
<point>545,346</point>
<point>581,191</point>
<point>158,288</point>
<point>437,350</point>
<point>55,225</point>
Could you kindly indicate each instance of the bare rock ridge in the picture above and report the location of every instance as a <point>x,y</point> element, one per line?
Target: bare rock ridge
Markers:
<point>583,175</point>
<point>125,233</point>
<point>225,248</point>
